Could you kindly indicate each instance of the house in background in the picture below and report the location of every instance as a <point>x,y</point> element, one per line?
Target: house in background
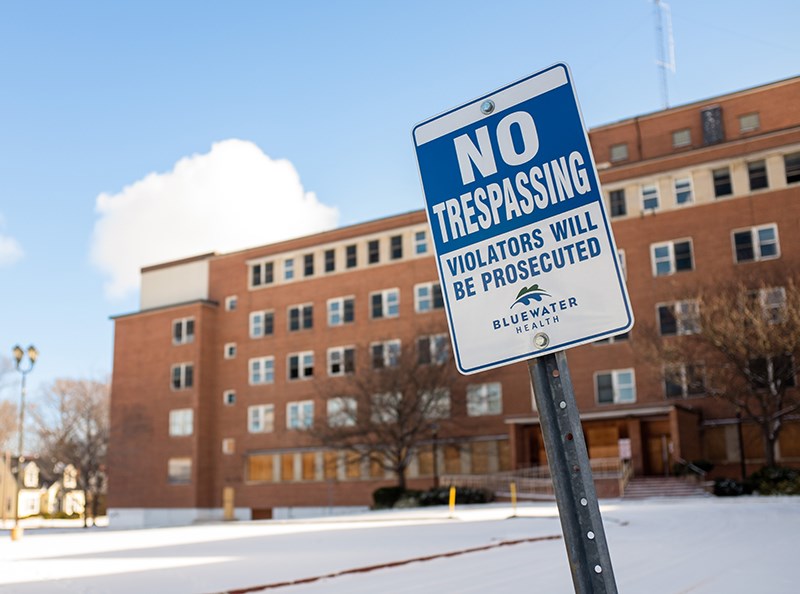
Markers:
<point>45,491</point>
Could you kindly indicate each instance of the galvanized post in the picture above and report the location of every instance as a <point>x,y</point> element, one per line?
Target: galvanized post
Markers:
<point>568,459</point>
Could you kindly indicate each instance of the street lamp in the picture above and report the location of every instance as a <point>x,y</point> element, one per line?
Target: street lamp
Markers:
<point>19,355</point>
<point>435,448</point>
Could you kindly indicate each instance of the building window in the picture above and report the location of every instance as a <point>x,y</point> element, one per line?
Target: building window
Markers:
<point>385,354</point>
<point>182,376</point>
<point>619,152</point>
<point>261,418</point>
<point>262,323</point>
<point>756,243</point>
<point>427,297</point>
<point>385,304</point>
<point>433,349</point>
<point>373,252</point>
<point>181,422</point>
<point>341,360</point>
<point>623,263</point>
<point>722,182</point>
<point>300,414</point>
<point>385,407</point>
<point>679,318</point>
<point>342,411</point>
<point>341,310</point>
<point>681,138</point>
<point>766,372</point>
<point>351,256</point>
<point>230,350</point>
<point>420,243</point>
<point>229,397</point>
<point>183,331</point>
<point>435,404</point>
<point>288,269</point>
<point>484,399</point>
<point>231,303</point>
<point>615,387</point>
<point>624,337</point>
<point>262,273</point>
<point>228,446</point>
<point>684,381</point>
<point>308,265</point>
<point>771,302</point>
<point>616,199</point>
<point>792,166</point>
<point>330,260</point>
<point>683,191</point>
<point>396,247</point>
<point>650,197</point>
<point>262,371</point>
<point>757,174</point>
<point>671,257</point>
<point>301,365</point>
<point>179,471</point>
<point>749,122</point>
<point>301,317</point>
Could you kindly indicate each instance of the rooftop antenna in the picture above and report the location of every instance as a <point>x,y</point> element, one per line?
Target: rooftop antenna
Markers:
<point>665,45</point>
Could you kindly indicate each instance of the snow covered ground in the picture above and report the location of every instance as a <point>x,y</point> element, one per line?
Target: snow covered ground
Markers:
<point>699,546</point>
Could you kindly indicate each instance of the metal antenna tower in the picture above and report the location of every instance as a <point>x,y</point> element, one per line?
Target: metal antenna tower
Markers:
<point>665,45</point>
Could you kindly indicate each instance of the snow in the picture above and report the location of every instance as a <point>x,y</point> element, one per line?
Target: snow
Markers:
<point>697,546</point>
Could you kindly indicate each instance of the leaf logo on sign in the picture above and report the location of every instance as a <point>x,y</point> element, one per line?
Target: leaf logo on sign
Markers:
<point>528,294</point>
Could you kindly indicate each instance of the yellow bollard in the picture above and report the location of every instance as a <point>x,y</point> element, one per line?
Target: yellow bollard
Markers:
<point>452,500</point>
<point>514,499</point>
<point>227,504</point>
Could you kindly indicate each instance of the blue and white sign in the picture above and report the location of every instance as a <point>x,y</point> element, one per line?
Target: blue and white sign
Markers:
<point>526,257</point>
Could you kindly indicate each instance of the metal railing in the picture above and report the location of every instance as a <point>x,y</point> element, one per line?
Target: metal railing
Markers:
<point>535,482</point>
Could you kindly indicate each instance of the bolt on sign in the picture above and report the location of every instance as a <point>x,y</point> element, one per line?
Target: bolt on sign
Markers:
<point>526,256</point>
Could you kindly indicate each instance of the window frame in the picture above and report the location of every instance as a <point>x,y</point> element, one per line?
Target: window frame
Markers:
<point>678,141</point>
<point>615,386</point>
<point>266,321</point>
<point>717,182</point>
<point>686,321</point>
<point>671,259</point>
<point>618,152</point>
<point>617,203</point>
<point>347,363</point>
<point>303,369</point>
<point>373,251</point>
<point>345,415</point>
<point>656,195</point>
<point>263,421</point>
<point>385,304</point>
<point>185,376</point>
<point>183,330</point>
<point>343,310</point>
<point>756,176</point>
<point>480,400</point>
<point>391,351</point>
<point>436,301</point>
<point>181,422</point>
<point>304,317</point>
<point>262,368</point>
<point>756,245</point>
<point>304,414</point>
<point>684,376</point>
<point>794,166</point>
<point>420,242</point>
<point>329,264</point>
<point>179,470</point>
<point>436,349</point>
<point>688,194</point>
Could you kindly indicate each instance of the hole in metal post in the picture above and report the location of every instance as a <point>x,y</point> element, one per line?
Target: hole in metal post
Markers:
<point>569,436</point>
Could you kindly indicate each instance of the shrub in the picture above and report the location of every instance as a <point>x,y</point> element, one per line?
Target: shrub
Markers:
<point>464,495</point>
<point>386,497</point>
<point>727,487</point>
<point>775,480</point>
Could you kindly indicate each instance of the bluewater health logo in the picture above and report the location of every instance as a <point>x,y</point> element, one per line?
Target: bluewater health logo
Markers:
<point>528,294</point>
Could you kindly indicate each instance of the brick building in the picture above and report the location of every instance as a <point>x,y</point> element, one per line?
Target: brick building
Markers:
<point>215,376</point>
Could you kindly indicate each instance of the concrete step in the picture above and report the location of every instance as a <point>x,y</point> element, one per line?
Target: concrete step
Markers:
<point>644,487</point>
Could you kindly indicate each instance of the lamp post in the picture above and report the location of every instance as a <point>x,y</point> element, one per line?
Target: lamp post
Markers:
<point>19,354</point>
<point>435,449</point>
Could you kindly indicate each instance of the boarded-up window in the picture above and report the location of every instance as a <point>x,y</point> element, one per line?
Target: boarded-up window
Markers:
<point>425,461</point>
<point>259,467</point>
<point>504,455</point>
<point>480,457</point>
<point>603,442</point>
<point>790,441</point>
<point>309,466</point>
<point>376,469</point>
<point>331,465</point>
<point>716,449</point>
<point>452,459</point>
<point>287,467</point>
<point>353,466</point>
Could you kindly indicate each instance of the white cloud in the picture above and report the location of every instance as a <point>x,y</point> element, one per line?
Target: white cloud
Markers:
<point>10,249</point>
<point>231,198</point>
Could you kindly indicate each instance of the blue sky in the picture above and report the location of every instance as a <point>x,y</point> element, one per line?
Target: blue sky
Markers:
<point>97,96</point>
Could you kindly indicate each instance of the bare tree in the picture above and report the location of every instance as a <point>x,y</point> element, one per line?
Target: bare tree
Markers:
<point>739,344</point>
<point>8,410</point>
<point>73,426</point>
<point>394,402</point>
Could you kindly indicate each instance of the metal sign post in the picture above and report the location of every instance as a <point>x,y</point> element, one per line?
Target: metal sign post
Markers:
<point>568,459</point>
